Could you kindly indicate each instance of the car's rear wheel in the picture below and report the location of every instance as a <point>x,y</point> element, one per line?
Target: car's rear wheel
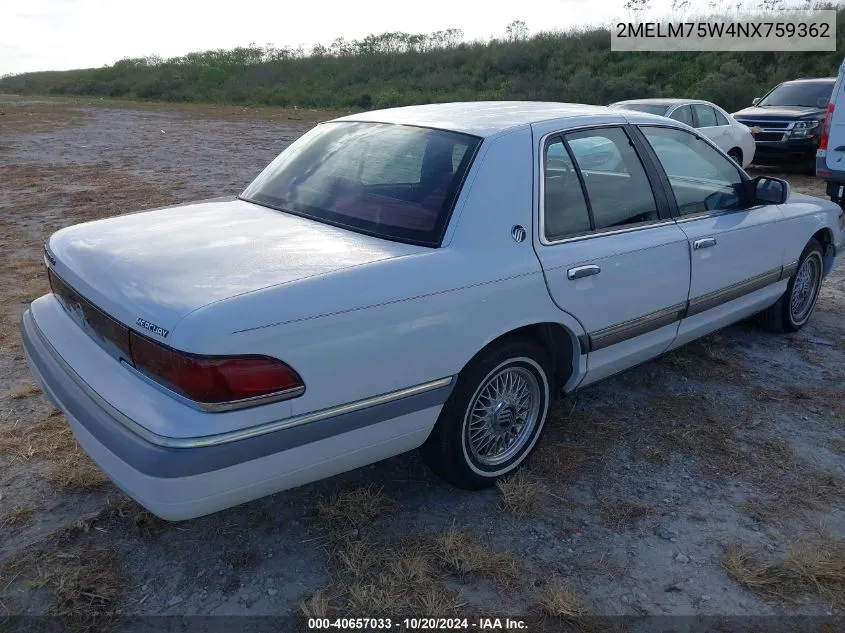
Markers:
<point>793,309</point>
<point>494,416</point>
<point>736,156</point>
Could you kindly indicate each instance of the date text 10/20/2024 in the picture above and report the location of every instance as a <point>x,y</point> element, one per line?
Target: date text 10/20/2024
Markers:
<point>418,624</point>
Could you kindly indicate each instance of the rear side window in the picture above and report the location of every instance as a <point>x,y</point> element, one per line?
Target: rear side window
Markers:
<point>721,119</point>
<point>705,115</point>
<point>684,115</point>
<point>702,179</point>
<point>565,212</point>
<point>398,182</point>
<point>618,189</point>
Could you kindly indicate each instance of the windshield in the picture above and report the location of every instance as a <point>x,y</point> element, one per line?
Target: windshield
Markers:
<point>651,108</point>
<point>393,181</point>
<point>806,93</point>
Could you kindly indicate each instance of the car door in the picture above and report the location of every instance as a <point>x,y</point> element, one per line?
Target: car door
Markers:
<point>611,254</point>
<point>736,248</point>
<point>707,122</point>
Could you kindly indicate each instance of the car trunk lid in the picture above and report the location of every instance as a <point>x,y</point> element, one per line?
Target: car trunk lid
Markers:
<point>150,269</point>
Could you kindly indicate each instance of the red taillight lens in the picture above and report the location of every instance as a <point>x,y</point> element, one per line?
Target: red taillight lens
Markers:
<point>213,379</point>
<point>826,126</point>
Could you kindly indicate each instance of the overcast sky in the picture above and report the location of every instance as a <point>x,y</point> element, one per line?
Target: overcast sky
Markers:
<point>63,34</point>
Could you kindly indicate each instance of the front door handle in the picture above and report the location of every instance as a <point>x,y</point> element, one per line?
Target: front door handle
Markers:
<point>582,271</point>
<point>706,242</point>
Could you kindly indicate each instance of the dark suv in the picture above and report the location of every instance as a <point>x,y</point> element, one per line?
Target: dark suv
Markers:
<point>787,122</point>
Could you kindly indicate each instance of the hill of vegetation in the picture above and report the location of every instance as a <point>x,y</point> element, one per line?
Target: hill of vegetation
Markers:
<point>394,69</point>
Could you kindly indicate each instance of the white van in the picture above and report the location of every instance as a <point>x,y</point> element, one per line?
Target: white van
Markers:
<point>830,157</point>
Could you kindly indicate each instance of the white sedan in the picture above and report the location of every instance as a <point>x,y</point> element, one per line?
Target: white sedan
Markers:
<point>430,276</point>
<point>732,137</point>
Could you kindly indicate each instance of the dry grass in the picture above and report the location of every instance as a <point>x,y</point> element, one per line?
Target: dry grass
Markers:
<point>520,494</point>
<point>29,278</point>
<point>559,602</point>
<point>38,117</point>
<point>623,514</point>
<point>355,507</point>
<point>410,575</point>
<point>129,516</point>
<point>556,462</point>
<point>244,559</point>
<point>794,490</point>
<point>51,439</point>
<point>27,391</point>
<point>821,400</point>
<point>731,444</point>
<point>575,441</point>
<point>695,425</point>
<point>390,577</point>
<point>706,360</point>
<point>85,583</point>
<point>317,605</point>
<point>8,334</point>
<point>72,193</point>
<point>18,518</point>
<point>818,399</point>
<point>464,553</point>
<point>817,568</point>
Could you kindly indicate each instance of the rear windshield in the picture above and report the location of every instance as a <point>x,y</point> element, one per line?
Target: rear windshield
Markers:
<point>806,93</point>
<point>651,108</point>
<point>393,181</point>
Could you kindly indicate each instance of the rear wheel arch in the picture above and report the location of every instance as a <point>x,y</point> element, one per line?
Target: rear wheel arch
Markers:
<point>559,341</point>
<point>825,238</point>
<point>736,154</point>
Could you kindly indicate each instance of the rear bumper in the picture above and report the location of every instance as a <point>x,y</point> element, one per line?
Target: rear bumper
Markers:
<point>185,482</point>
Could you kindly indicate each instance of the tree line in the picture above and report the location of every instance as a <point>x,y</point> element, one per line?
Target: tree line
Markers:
<point>397,68</point>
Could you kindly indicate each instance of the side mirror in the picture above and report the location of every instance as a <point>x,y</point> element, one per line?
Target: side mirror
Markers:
<point>769,190</point>
<point>755,101</point>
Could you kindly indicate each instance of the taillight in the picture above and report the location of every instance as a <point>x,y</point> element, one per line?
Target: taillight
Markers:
<point>828,117</point>
<point>214,380</point>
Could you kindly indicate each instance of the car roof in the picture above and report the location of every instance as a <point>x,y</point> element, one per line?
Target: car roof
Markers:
<point>808,80</point>
<point>660,101</point>
<point>481,118</point>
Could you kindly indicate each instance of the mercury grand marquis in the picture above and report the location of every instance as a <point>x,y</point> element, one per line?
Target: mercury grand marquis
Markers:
<point>424,277</point>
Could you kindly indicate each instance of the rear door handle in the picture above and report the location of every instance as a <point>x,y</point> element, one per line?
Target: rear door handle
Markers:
<point>706,242</point>
<point>582,271</point>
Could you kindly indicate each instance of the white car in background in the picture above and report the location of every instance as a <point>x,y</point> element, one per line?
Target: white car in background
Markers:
<point>731,136</point>
<point>430,276</point>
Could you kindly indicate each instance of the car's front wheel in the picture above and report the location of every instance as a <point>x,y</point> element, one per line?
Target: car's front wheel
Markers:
<point>494,416</point>
<point>793,309</point>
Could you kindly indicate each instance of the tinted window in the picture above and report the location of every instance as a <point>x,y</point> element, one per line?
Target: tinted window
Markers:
<point>683,114</point>
<point>394,181</point>
<point>596,153</point>
<point>814,94</point>
<point>720,118</point>
<point>619,191</point>
<point>705,115</point>
<point>564,208</point>
<point>701,178</point>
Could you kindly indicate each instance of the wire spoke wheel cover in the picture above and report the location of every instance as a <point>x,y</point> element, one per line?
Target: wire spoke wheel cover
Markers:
<point>503,415</point>
<point>805,289</point>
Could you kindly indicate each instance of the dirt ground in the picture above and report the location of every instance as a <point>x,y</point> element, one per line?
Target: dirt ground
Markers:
<point>708,482</point>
